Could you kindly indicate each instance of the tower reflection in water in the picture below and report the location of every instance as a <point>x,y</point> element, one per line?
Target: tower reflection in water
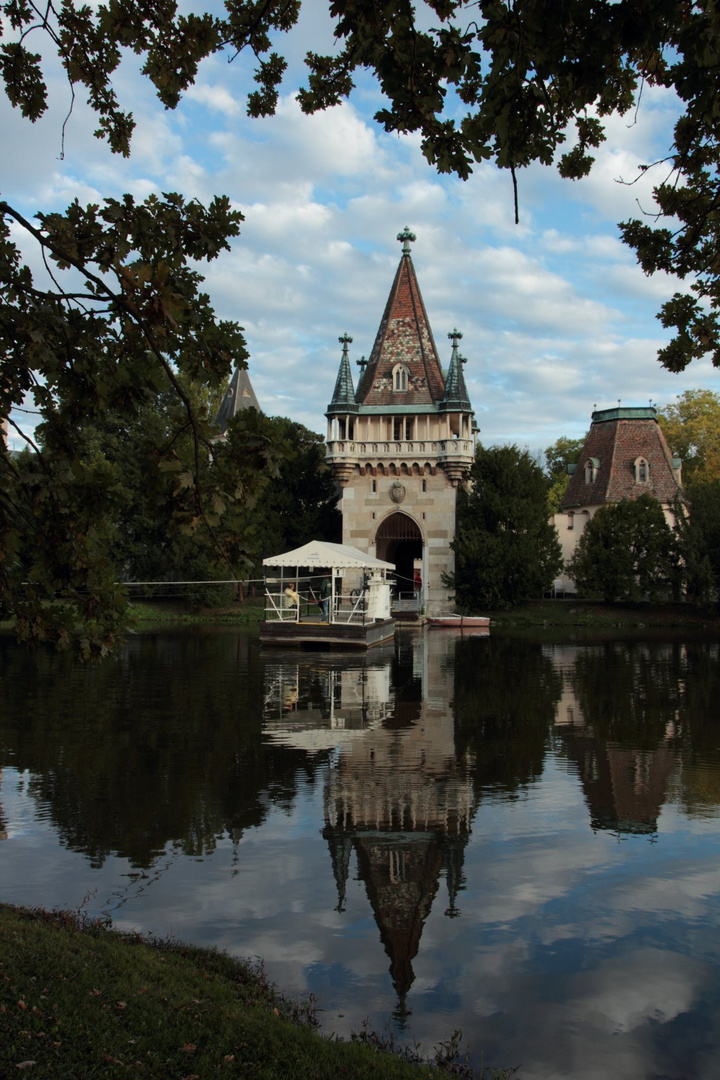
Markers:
<point>620,720</point>
<point>397,794</point>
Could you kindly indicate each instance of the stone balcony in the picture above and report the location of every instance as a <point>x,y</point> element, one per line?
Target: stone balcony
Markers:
<point>455,456</point>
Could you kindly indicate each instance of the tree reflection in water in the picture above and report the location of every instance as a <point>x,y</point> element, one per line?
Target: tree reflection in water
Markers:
<point>431,769</point>
<point>163,746</point>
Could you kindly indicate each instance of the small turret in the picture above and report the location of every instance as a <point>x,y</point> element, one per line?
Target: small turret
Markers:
<point>343,399</point>
<point>239,395</point>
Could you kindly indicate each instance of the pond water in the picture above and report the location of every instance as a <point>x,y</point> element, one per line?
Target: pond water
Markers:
<point>513,837</point>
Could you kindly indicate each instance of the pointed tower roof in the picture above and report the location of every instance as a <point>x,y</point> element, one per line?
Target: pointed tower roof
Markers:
<point>343,399</point>
<point>240,395</point>
<point>401,906</point>
<point>455,398</point>
<point>454,862</point>
<point>617,439</point>
<point>404,338</point>
<point>340,844</point>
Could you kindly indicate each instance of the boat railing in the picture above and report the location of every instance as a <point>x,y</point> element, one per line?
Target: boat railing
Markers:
<point>349,608</point>
<point>408,601</point>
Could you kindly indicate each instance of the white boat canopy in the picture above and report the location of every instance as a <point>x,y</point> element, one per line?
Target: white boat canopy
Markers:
<point>322,554</point>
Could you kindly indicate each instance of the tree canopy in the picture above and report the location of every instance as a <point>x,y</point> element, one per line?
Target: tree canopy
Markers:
<point>513,83</point>
<point>699,537</point>
<point>563,452</point>
<point>692,429</point>
<point>627,552</point>
<point>506,551</point>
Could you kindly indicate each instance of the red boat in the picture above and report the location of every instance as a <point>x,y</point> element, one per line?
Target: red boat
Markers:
<point>459,622</point>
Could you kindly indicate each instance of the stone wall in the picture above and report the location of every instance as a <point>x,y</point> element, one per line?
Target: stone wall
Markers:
<point>433,511</point>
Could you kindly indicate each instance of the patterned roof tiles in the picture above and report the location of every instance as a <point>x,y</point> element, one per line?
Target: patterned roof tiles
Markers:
<point>618,442</point>
<point>404,337</point>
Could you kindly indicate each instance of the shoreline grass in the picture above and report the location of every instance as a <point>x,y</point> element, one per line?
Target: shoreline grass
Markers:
<point>588,614</point>
<point>144,612</point>
<point>572,614</point>
<point>83,1000</point>
<point>537,613</point>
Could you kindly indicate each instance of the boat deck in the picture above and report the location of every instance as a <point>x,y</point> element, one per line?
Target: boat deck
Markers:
<point>316,634</point>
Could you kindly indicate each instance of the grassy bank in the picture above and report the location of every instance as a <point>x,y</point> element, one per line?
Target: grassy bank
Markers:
<point>590,614</point>
<point>147,612</point>
<point>79,999</point>
<point>539,613</point>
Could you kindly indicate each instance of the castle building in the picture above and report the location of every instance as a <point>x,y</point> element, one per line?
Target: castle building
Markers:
<point>625,455</point>
<point>403,442</point>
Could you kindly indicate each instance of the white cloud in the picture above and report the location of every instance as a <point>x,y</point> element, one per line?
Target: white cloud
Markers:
<point>214,97</point>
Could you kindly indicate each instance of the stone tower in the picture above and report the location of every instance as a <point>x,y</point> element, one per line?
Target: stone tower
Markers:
<point>403,443</point>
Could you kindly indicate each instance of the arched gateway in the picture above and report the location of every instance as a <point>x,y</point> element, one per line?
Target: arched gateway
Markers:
<point>401,542</point>
<point>403,444</point>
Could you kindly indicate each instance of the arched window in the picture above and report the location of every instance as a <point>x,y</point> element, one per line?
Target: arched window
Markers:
<point>400,377</point>
<point>591,470</point>
<point>642,470</point>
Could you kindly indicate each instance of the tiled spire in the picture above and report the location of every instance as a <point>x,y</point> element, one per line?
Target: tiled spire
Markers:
<point>343,399</point>
<point>404,338</point>
<point>455,398</point>
<point>239,395</point>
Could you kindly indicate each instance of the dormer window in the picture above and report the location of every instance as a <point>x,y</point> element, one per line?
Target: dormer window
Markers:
<point>591,470</point>
<point>642,470</point>
<point>400,377</point>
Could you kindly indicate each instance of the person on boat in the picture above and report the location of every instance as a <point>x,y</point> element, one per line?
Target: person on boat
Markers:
<point>291,597</point>
<point>325,595</point>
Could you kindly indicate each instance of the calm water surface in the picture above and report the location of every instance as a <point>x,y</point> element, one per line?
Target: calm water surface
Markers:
<point>510,837</point>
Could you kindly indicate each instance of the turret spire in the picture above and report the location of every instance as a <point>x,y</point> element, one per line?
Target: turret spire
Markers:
<point>238,396</point>
<point>343,400</point>
<point>455,398</point>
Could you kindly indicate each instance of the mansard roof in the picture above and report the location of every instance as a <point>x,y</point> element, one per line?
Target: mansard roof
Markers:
<point>455,398</point>
<point>404,337</point>
<point>240,395</point>
<point>618,438</point>
<point>343,399</point>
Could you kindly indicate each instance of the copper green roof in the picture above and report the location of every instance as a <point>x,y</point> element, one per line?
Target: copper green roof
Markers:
<point>631,412</point>
<point>343,399</point>
<point>455,398</point>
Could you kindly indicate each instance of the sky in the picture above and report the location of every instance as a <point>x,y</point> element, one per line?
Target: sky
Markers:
<point>557,317</point>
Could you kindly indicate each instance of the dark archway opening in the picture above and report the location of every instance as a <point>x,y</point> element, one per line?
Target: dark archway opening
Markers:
<point>399,541</point>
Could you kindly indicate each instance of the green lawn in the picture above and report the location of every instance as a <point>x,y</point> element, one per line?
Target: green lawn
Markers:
<point>81,1000</point>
